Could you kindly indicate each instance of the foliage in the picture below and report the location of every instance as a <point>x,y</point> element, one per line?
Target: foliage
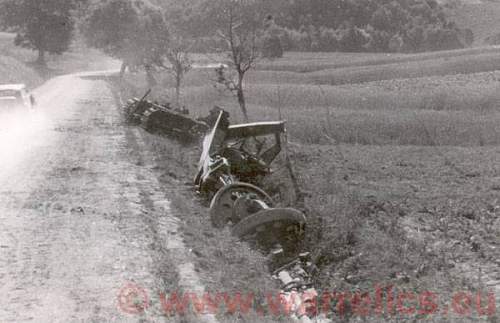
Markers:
<point>133,31</point>
<point>331,25</point>
<point>369,25</point>
<point>42,25</point>
<point>141,34</point>
<point>271,41</point>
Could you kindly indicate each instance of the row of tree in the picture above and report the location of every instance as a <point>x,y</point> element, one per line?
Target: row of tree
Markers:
<point>149,34</point>
<point>368,25</point>
<point>160,34</point>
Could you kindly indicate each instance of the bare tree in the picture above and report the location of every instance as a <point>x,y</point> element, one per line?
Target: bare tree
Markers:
<point>177,55</point>
<point>239,27</point>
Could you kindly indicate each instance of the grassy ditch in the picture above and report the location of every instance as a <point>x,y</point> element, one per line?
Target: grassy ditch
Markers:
<point>399,177</point>
<point>225,264</point>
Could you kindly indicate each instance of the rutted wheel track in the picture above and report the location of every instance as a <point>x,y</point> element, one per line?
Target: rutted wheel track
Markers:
<point>74,228</point>
<point>167,227</point>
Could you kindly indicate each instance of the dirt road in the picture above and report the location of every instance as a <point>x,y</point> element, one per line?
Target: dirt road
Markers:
<point>81,215</point>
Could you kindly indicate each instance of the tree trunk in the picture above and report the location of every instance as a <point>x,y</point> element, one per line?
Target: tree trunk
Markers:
<point>299,195</point>
<point>241,97</point>
<point>178,82</point>
<point>150,79</point>
<point>123,68</point>
<point>41,58</point>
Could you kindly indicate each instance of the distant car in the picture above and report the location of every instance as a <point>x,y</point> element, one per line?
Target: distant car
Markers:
<point>14,97</point>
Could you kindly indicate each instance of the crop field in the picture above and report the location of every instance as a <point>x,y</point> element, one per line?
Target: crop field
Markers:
<point>455,103</point>
<point>399,161</point>
<point>374,196</point>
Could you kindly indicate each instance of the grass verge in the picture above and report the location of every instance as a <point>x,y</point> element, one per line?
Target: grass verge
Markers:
<point>225,264</point>
<point>396,214</point>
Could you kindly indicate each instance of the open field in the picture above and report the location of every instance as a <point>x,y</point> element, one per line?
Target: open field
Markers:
<point>455,103</point>
<point>400,170</point>
<point>299,62</point>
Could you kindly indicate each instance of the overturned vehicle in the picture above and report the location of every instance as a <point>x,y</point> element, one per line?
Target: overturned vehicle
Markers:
<point>164,119</point>
<point>234,161</point>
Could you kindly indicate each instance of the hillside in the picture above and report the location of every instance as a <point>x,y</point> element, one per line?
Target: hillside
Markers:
<point>480,16</point>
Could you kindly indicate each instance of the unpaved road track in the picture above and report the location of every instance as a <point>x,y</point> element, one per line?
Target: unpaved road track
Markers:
<point>77,217</point>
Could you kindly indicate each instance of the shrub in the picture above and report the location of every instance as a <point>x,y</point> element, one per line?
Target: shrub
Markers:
<point>440,39</point>
<point>328,39</point>
<point>271,41</point>
<point>378,40</point>
<point>297,40</point>
<point>272,48</point>
<point>353,39</point>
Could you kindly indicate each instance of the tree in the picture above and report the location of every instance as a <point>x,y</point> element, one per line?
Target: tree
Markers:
<point>405,21</point>
<point>180,62</point>
<point>180,41</point>
<point>108,26</point>
<point>239,24</point>
<point>152,40</point>
<point>132,31</point>
<point>42,25</point>
<point>271,41</point>
<point>141,34</point>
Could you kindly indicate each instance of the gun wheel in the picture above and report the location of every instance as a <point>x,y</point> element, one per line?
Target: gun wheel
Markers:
<point>269,220</point>
<point>222,207</point>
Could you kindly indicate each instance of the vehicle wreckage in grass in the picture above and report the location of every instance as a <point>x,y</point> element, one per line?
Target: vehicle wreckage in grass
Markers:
<point>234,161</point>
<point>164,119</point>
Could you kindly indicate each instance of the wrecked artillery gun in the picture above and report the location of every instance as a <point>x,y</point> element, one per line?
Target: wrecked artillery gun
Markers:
<point>232,164</point>
<point>234,161</point>
<point>164,119</point>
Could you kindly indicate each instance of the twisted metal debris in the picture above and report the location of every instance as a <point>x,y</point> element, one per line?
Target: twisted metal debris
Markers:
<point>234,161</point>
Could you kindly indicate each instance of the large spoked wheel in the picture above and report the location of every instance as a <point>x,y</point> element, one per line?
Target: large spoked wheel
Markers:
<point>269,220</point>
<point>227,202</point>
